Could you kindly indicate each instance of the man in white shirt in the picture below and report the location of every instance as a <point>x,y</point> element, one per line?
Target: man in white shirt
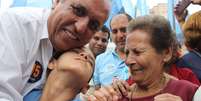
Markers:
<point>28,35</point>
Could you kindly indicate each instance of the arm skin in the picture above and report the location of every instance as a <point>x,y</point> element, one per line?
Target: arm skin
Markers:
<point>73,71</point>
<point>198,2</point>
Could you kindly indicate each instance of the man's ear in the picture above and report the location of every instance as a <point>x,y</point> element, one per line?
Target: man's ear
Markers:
<point>52,64</point>
<point>54,3</point>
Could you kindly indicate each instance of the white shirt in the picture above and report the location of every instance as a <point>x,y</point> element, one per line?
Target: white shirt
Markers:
<point>197,96</point>
<point>23,41</point>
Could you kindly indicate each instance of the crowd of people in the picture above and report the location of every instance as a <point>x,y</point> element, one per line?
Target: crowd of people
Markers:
<point>45,56</point>
<point>148,53</point>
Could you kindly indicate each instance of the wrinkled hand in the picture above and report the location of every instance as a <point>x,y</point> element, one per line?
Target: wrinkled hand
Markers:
<point>121,87</point>
<point>167,97</point>
<point>115,92</point>
<point>104,94</point>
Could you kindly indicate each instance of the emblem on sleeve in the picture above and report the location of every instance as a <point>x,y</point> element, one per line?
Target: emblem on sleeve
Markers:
<point>36,72</point>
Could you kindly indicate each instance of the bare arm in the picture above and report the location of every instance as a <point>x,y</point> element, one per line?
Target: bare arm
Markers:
<point>196,2</point>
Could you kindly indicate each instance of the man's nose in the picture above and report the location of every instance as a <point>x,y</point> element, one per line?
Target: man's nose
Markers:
<point>99,42</point>
<point>121,34</point>
<point>82,24</point>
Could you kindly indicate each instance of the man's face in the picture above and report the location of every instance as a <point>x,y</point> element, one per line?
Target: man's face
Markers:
<point>72,23</point>
<point>98,43</point>
<point>118,27</point>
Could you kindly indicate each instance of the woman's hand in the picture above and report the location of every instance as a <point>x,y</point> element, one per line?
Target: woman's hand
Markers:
<point>121,87</point>
<point>104,94</point>
<point>115,92</point>
<point>167,97</point>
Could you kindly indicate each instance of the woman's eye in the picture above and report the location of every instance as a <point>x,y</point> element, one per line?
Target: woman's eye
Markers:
<point>137,53</point>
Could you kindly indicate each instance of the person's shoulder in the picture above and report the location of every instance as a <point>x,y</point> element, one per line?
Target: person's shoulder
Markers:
<point>184,70</point>
<point>27,10</point>
<point>191,60</point>
<point>181,88</point>
<point>24,13</point>
<point>105,55</point>
<point>183,84</point>
<point>189,55</point>
<point>184,61</point>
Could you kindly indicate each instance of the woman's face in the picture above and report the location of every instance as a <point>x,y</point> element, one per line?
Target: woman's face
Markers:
<point>144,62</point>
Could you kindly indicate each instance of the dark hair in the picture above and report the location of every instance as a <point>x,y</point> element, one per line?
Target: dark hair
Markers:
<point>159,29</point>
<point>127,15</point>
<point>105,30</point>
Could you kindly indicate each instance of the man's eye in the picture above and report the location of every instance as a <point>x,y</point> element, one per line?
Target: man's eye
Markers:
<point>114,31</point>
<point>94,25</point>
<point>79,10</point>
<point>104,40</point>
<point>123,29</point>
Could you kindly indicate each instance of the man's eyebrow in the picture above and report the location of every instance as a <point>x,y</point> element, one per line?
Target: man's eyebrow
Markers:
<point>75,5</point>
<point>78,6</point>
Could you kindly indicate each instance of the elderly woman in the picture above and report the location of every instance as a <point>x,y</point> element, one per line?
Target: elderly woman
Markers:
<point>148,52</point>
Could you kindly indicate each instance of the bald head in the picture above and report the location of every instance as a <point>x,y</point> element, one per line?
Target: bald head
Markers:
<point>118,26</point>
<point>120,16</point>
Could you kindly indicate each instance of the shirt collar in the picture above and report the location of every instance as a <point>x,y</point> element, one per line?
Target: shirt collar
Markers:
<point>114,53</point>
<point>44,22</point>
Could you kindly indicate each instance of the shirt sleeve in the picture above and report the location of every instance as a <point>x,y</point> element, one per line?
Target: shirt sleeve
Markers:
<point>197,96</point>
<point>96,78</point>
<point>10,68</point>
